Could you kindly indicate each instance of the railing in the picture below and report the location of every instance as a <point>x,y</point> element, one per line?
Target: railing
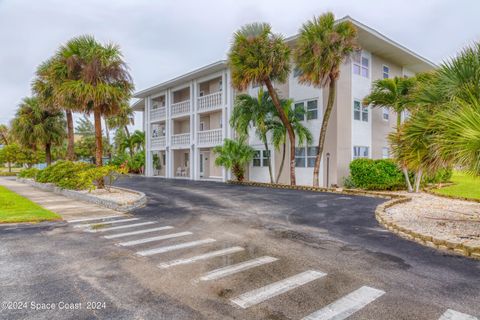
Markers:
<point>210,101</point>
<point>210,137</point>
<point>181,139</point>
<point>181,107</point>
<point>157,114</point>
<point>158,142</point>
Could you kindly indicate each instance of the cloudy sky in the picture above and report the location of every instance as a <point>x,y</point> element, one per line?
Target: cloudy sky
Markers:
<point>162,39</point>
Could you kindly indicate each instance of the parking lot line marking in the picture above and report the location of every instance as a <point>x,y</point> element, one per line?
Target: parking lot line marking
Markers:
<point>157,238</point>
<point>347,305</point>
<point>105,222</point>
<point>205,256</point>
<point>93,219</point>
<point>121,227</point>
<point>455,315</point>
<point>175,247</point>
<point>132,233</point>
<point>259,295</point>
<point>239,267</point>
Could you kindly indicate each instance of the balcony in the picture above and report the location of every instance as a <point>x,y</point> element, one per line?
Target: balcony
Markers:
<point>157,114</point>
<point>209,137</point>
<point>210,101</point>
<point>181,108</point>
<point>158,142</point>
<point>182,139</point>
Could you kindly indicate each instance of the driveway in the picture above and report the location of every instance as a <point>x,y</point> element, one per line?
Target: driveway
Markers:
<point>248,253</point>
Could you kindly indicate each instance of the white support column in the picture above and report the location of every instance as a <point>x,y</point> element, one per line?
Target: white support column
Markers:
<point>168,135</point>
<point>148,134</point>
<point>193,129</point>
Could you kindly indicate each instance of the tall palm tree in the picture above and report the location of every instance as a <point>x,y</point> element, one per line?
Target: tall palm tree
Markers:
<point>253,112</point>
<point>49,76</point>
<point>322,47</point>
<point>35,125</point>
<point>234,155</point>
<point>104,84</point>
<point>279,132</point>
<point>258,56</point>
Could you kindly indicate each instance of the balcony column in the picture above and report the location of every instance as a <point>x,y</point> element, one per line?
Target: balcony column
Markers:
<point>148,145</point>
<point>168,135</point>
<point>193,129</point>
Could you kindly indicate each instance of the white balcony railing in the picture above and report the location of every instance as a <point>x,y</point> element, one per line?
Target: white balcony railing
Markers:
<point>157,114</point>
<point>210,101</point>
<point>181,139</point>
<point>158,142</point>
<point>181,107</point>
<point>210,137</point>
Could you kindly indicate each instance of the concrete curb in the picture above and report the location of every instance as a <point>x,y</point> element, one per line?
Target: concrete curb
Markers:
<point>72,194</point>
<point>429,241</point>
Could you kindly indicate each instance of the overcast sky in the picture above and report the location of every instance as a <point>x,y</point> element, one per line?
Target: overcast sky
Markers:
<point>162,39</point>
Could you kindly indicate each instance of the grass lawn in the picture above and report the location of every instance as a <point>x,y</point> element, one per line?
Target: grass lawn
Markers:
<point>15,208</point>
<point>466,186</point>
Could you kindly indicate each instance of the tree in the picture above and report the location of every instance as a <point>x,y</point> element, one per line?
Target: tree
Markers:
<point>103,85</point>
<point>234,155</point>
<point>9,154</point>
<point>122,120</point>
<point>258,56</point>
<point>35,125</point>
<point>249,112</point>
<point>4,135</point>
<point>85,127</point>
<point>394,94</point>
<point>279,132</point>
<point>322,47</point>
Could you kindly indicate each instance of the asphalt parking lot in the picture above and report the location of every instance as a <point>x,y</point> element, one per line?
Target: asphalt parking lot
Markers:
<point>205,250</point>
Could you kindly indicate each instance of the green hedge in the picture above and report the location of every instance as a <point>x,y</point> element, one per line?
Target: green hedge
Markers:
<point>73,175</point>
<point>372,174</point>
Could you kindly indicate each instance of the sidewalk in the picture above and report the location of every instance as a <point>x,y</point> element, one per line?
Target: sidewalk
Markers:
<point>68,208</point>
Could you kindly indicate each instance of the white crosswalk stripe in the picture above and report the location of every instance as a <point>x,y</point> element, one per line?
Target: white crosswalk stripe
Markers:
<point>184,245</point>
<point>121,227</point>
<point>239,267</point>
<point>347,305</point>
<point>455,315</point>
<point>152,239</point>
<point>93,219</point>
<point>132,233</point>
<point>274,289</point>
<point>105,222</point>
<point>205,256</point>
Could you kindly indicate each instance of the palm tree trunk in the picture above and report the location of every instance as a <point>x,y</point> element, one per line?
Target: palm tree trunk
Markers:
<point>288,126</point>
<point>70,136</point>
<point>98,142</point>
<point>281,163</point>
<point>48,154</point>
<point>323,131</point>
<point>418,179</point>
<point>407,179</point>
<point>264,138</point>
<point>107,134</point>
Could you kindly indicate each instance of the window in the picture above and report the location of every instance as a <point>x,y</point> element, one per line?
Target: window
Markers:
<point>266,158</point>
<point>257,159</point>
<point>201,93</point>
<point>305,157</point>
<point>360,152</point>
<point>357,107</point>
<point>385,153</point>
<point>220,85</point>
<point>311,109</point>
<point>386,72</point>
<point>385,114</point>
<point>360,64</point>
<point>202,126</point>
<point>365,113</point>
<point>186,158</point>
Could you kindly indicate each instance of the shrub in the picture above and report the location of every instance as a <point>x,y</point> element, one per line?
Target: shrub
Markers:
<point>109,174</point>
<point>65,174</point>
<point>441,176</point>
<point>30,173</point>
<point>380,174</point>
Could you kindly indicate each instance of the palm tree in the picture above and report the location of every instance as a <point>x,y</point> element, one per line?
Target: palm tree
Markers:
<point>4,135</point>
<point>322,47</point>
<point>49,76</point>
<point>103,85</point>
<point>122,120</point>
<point>250,112</point>
<point>258,56</point>
<point>234,155</point>
<point>394,94</point>
<point>35,125</point>
<point>279,132</point>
